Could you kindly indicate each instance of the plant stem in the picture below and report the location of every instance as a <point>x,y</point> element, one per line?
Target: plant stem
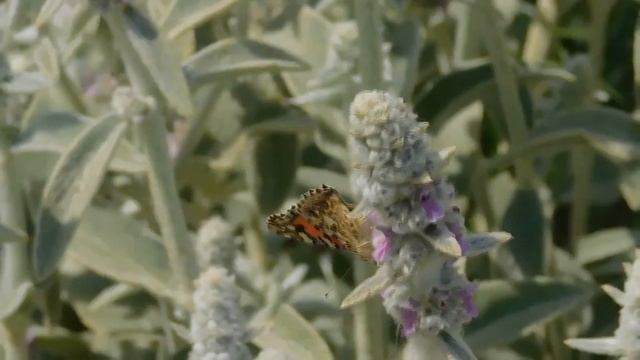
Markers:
<point>196,126</point>
<point>508,91</point>
<point>367,15</point>
<point>242,16</point>
<point>14,264</point>
<point>600,11</point>
<point>368,321</point>
<point>254,242</point>
<point>539,34</point>
<point>15,14</point>
<point>153,138</point>
<point>582,164</point>
<point>368,318</point>
<point>164,195</point>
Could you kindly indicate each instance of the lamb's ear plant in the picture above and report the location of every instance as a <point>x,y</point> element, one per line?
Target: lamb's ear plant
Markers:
<point>418,233</point>
<point>144,142</point>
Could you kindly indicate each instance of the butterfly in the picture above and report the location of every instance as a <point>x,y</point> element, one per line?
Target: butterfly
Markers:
<point>321,216</point>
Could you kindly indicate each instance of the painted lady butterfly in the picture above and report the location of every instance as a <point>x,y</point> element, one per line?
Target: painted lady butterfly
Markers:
<point>322,217</point>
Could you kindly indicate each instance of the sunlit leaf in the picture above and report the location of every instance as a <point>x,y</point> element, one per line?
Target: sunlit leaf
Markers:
<point>288,332</point>
<point>9,234</point>
<point>507,309</point>
<point>70,189</point>
<point>603,346</point>
<point>116,246</point>
<point>230,58</point>
<point>155,57</point>
<point>370,287</point>
<point>186,15</point>
<point>605,243</point>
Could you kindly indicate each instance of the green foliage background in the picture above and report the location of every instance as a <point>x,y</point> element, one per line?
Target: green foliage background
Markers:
<point>98,208</point>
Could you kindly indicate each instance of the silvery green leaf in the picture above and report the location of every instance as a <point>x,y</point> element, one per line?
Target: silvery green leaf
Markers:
<point>290,123</point>
<point>39,146</point>
<point>307,38</point>
<point>114,245</point>
<point>287,331</point>
<point>232,57</point>
<point>603,346</point>
<point>47,10</point>
<point>112,294</point>
<point>156,57</point>
<point>630,187</point>
<point>370,287</point>
<point>9,234</point>
<point>271,168</point>
<point>606,243</point>
<point>139,23</point>
<point>187,15</point>
<point>614,293</point>
<point>84,15</point>
<point>25,83</point>
<point>445,96</point>
<point>46,57</point>
<point>446,244</point>
<point>273,354</point>
<point>525,220</point>
<point>612,132</point>
<point>70,189</point>
<point>136,312</point>
<point>456,347</point>
<point>510,308</point>
<point>480,243</point>
<point>295,277</point>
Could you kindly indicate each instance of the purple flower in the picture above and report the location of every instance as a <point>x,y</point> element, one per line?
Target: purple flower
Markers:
<point>381,240</point>
<point>454,224</point>
<point>409,318</point>
<point>433,210</point>
<point>467,299</point>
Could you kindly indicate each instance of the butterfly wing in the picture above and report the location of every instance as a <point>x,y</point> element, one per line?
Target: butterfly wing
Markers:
<point>322,217</point>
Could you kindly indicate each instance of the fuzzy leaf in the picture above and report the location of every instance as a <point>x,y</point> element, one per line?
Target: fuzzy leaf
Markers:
<point>370,287</point>
<point>155,57</point>
<point>25,83</point>
<point>307,38</point>
<point>230,58</point>
<point>455,346</point>
<point>116,246</point>
<point>288,332</point>
<point>187,15</point>
<point>612,132</point>
<point>47,59</point>
<point>454,91</point>
<point>481,243</point>
<point>271,169</point>
<point>603,346</point>
<point>9,234</point>
<point>509,308</point>
<point>630,187</point>
<point>606,243</point>
<point>524,219</point>
<point>70,189</point>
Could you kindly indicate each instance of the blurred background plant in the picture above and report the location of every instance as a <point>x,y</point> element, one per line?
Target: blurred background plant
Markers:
<point>144,141</point>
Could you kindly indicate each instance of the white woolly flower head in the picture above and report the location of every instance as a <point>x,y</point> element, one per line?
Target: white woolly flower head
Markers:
<point>218,327</point>
<point>215,244</point>
<point>418,233</point>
